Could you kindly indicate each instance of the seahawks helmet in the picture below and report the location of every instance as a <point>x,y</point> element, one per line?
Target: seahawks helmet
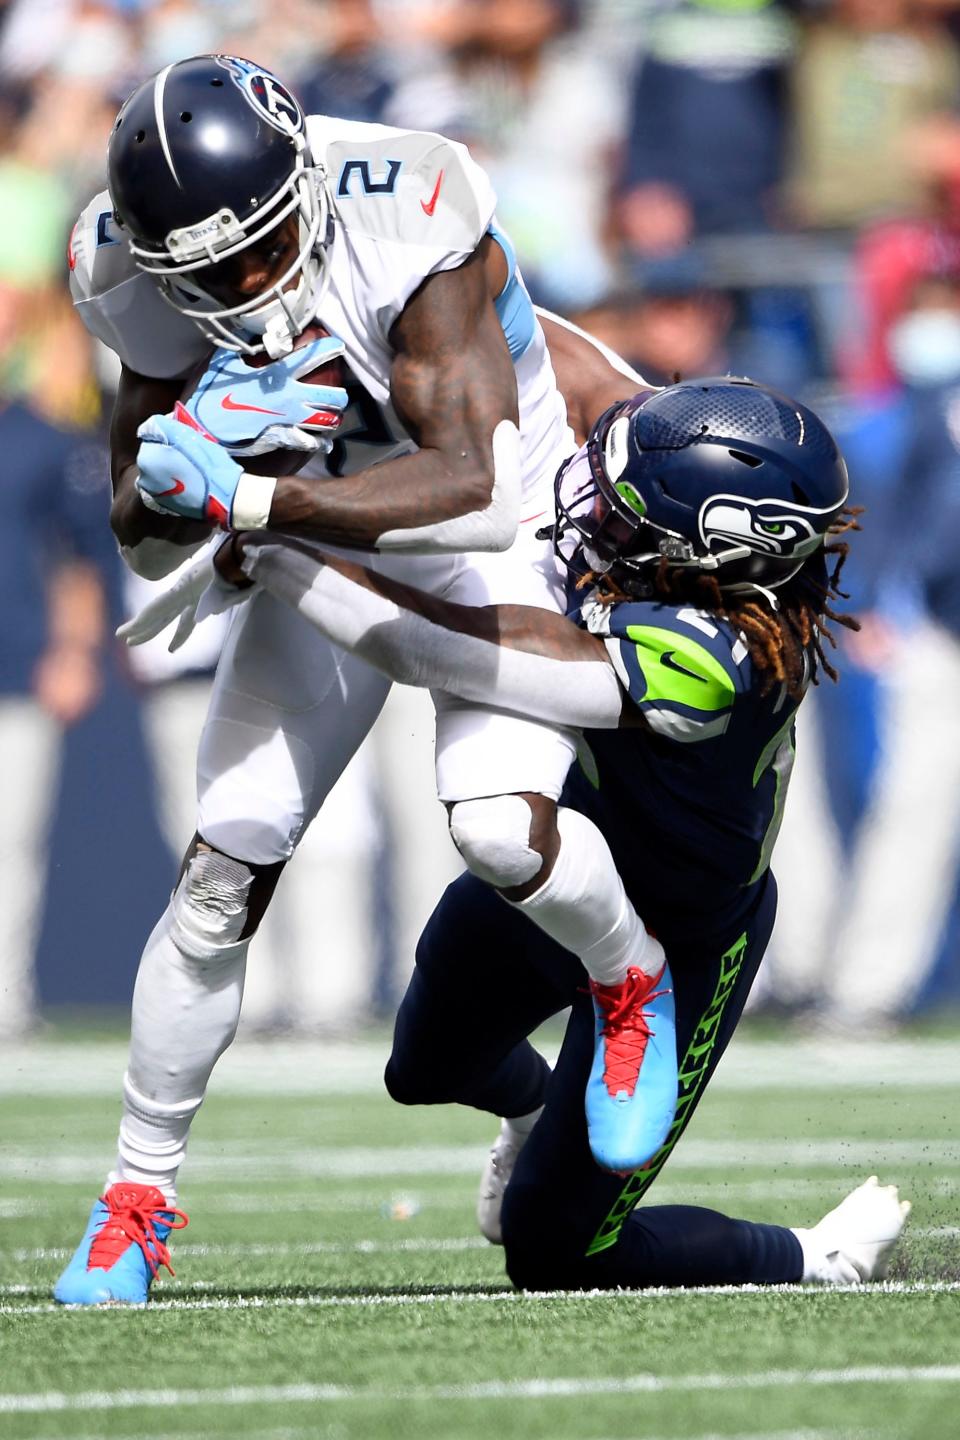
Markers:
<point>721,476</point>
<point>205,159</point>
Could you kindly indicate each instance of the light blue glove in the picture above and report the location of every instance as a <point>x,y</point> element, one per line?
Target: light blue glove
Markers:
<point>185,472</point>
<point>251,410</point>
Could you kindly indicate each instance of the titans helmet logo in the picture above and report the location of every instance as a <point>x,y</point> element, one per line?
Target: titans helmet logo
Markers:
<point>767,526</point>
<point>265,93</point>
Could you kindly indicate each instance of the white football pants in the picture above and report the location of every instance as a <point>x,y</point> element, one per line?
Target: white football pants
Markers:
<point>288,985</point>
<point>288,712</point>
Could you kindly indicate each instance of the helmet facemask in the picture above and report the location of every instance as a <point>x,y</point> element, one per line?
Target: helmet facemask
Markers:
<point>603,515</point>
<point>270,321</point>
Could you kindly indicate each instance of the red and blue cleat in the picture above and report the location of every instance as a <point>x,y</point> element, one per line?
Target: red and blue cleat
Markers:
<point>632,1091</point>
<point>122,1248</point>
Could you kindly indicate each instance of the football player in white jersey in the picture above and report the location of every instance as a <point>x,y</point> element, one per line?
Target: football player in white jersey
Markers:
<point>232,224</point>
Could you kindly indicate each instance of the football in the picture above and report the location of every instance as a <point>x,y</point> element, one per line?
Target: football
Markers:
<point>333,373</point>
<point>288,462</point>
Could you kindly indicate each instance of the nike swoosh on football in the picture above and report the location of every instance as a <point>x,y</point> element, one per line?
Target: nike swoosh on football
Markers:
<point>428,206</point>
<point>667,660</point>
<point>228,403</point>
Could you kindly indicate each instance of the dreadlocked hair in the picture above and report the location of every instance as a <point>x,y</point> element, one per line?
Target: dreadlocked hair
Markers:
<point>779,640</point>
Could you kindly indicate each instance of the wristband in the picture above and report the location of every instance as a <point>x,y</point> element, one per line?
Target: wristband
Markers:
<point>251,502</point>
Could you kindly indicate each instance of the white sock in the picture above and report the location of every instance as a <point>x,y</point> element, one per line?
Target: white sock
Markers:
<point>153,1140</point>
<point>185,1014</point>
<point>584,907</point>
<point>518,1127</point>
<point>822,1268</point>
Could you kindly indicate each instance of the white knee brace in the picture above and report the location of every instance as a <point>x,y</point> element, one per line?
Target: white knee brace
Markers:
<point>493,836</point>
<point>210,905</point>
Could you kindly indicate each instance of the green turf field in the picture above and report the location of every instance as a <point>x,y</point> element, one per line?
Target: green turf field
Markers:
<point>332,1284</point>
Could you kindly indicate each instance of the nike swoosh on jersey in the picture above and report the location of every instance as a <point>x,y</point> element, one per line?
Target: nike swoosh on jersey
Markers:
<point>668,662</point>
<point>428,206</point>
<point>228,403</point>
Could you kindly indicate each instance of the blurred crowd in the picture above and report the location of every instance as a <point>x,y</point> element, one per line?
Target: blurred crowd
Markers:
<point>752,186</point>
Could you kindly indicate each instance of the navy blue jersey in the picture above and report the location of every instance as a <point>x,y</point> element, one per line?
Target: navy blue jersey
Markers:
<point>692,805</point>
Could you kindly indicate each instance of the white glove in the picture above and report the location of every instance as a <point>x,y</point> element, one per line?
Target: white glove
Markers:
<point>285,437</point>
<point>200,591</point>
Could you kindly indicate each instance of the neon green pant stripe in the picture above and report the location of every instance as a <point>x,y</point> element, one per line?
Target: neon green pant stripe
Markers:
<point>690,1081</point>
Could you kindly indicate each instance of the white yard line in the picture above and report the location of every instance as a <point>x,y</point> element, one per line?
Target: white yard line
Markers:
<point>364,1202</point>
<point>293,1432</point>
<point>309,1202</point>
<point>322,1301</point>
<point>414,1244</point>
<point>485,1390</point>
<point>244,1162</point>
<point>405,1246</point>
<point>318,1068</point>
<point>290,1432</point>
<point>713,1435</point>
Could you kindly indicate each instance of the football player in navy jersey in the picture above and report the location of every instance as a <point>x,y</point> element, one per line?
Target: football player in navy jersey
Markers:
<point>701,528</point>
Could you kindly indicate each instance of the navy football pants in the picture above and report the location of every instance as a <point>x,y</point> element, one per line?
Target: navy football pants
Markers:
<point>484,979</point>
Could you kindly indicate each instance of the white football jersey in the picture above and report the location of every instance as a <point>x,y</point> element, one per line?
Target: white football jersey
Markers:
<point>404,205</point>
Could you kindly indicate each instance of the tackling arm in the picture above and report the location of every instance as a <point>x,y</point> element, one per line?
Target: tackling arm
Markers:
<point>590,376</point>
<point>513,657</point>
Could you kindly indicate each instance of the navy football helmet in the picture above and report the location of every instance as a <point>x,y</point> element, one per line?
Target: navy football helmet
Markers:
<point>723,476</point>
<point>205,159</point>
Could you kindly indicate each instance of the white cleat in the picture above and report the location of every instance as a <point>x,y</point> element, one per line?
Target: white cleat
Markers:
<point>854,1242</point>
<point>496,1177</point>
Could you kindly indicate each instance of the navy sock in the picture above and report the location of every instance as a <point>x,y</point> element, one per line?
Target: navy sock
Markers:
<point>666,1245</point>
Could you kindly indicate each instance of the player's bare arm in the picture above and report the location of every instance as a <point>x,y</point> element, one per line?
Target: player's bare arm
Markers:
<point>586,378</point>
<point>138,396</point>
<point>452,384</point>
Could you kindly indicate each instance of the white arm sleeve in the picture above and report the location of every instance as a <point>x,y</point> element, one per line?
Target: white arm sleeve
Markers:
<point>415,651</point>
<point>152,558</point>
<point>493,528</point>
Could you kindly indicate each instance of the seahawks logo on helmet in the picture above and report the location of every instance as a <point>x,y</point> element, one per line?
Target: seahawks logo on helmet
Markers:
<point>265,94</point>
<point>767,526</point>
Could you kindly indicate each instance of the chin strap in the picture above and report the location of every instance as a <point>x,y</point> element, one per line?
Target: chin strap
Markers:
<point>278,337</point>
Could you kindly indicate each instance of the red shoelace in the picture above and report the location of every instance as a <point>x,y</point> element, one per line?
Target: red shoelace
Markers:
<point>134,1211</point>
<point>625,1028</point>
